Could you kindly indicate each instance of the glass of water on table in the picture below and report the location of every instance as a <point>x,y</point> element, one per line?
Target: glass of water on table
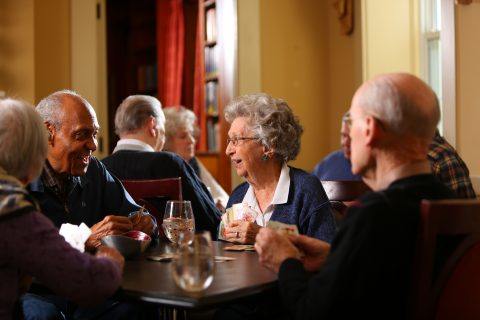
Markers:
<point>178,218</point>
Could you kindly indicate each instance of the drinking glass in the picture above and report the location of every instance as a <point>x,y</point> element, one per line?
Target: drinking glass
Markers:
<point>194,265</point>
<point>178,218</point>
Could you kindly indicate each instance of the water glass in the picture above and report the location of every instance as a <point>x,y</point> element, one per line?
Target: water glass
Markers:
<point>194,266</point>
<point>178,218</point>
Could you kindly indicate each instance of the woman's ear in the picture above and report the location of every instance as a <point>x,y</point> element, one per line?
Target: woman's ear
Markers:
<point>268,153</point>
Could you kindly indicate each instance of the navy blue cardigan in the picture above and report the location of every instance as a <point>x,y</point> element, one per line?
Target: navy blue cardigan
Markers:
<point>307,206</point>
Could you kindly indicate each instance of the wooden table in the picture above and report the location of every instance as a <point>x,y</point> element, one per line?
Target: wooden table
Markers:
<point>152,281</point>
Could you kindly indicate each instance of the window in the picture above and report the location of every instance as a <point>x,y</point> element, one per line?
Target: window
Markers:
<point>430,46</point>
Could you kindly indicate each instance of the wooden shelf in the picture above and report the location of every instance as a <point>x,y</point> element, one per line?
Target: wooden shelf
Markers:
<point>209,3</point>
<point>210,43</point>
<point>210,78</point>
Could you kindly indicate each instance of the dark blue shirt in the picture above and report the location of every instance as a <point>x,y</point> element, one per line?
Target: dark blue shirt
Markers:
<point>91,197</point>
<point>307,206</point>
<point>335,167</point>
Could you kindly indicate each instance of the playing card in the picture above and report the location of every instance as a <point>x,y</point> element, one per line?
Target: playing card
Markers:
<point>283,228</point>
<point>240,247</point>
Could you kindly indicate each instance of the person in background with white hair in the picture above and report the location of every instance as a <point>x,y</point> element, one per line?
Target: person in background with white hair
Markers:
<point>181,131</point>
<point>366,273</point>
<point>31,245</point>
<point>140,124</point>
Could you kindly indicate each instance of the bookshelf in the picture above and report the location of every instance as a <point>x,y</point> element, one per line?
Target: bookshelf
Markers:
<point>131,53</point>
<point>220,58</point>
<point>132,66</point>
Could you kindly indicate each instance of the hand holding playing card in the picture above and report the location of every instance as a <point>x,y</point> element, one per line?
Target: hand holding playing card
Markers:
<point>241,232</point>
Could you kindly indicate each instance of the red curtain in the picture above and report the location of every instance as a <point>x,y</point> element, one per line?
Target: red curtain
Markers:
<point>180,46</point>
<point>170,51</point>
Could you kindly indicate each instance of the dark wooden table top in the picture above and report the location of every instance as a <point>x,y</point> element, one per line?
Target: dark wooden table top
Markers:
<point>152,281</point>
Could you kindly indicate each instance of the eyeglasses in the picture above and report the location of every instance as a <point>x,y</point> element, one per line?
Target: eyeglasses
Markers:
<point>235,140</point>
<point>347,119</point>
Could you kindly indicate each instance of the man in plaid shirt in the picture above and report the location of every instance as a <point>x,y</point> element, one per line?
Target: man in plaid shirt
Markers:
<point>449,168</point>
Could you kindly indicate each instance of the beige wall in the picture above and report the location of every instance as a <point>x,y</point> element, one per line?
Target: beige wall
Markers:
<point>34,47</point>
<point>468,79</point>
<point>52,46</point>
<point>294,58</point>
<point>345,71</point>
<point>17,49</point>
<point>390,36</point>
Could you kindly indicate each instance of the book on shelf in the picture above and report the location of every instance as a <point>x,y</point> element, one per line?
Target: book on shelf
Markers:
<point>146,77</point>
<point>211,101</point>
<point>210,61</point>
<point>213,136</point>
<point>211,25</point>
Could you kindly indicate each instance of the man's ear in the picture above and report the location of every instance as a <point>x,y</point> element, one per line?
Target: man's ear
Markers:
<point>152,126</point>
<point>51,133</point>
<point>373,130</point>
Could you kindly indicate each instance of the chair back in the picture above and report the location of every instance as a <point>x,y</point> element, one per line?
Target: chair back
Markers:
<point>154,194</point>
<point>445,282</point>
<point>343,193</point>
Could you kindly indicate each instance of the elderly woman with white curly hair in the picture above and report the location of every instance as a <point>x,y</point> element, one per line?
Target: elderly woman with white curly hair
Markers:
<point>31,245</point>
<point>264,136</point>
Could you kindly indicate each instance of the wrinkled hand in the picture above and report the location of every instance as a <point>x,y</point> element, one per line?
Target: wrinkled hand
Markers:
<point>274,248</point>
<point>315,251</point>
<point>109,225</point>
<point>143,222</point>
<point>241,232</point>
<point>112,254</point>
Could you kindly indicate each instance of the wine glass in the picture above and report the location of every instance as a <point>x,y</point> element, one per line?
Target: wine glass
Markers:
<point>178,218</point>
<point>194,265</point>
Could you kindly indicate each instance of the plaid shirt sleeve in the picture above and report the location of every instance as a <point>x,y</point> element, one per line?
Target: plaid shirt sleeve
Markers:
<point>450,169</point>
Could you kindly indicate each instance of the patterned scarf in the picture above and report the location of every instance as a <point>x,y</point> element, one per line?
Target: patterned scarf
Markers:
<point>13,196</point>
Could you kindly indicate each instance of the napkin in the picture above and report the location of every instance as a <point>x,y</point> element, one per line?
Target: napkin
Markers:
<point>75,235</point>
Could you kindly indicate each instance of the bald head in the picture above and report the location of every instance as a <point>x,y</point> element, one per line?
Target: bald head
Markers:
<point>404,104</point>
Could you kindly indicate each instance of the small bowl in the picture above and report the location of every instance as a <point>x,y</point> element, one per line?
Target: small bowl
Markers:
<point>129,244</point>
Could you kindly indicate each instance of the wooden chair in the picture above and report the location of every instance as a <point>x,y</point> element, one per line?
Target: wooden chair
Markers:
<point>446,284</point>
<point>154,194</point>
<point>342,194</point>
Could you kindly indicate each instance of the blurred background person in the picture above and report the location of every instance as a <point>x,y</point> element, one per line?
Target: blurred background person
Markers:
<point>181,131</point>
<point>264,136</point>
<point>31,245</point>
<point>337,165</point>
<point>140,124</point>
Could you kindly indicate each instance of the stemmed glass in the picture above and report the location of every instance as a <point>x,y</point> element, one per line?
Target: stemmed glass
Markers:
<point>178,218</point>
<point>194,265</point>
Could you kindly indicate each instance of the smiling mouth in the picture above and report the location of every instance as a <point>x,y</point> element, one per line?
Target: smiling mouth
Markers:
<point>85,159</point>
<point>236,162</point>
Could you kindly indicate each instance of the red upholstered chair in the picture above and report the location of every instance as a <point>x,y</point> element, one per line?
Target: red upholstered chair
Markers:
<point>154,194</point>
<point>454,291</point>
<point>342,194</point>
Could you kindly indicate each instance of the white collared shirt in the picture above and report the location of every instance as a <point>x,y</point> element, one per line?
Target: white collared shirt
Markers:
<point>279,197</point>
<point>132,144</point>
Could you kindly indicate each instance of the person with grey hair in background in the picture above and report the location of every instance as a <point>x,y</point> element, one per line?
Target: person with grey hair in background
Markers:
<point>181,131</point>
<point>139,122</point>
<point>264,136</point>
<point>31,245</point>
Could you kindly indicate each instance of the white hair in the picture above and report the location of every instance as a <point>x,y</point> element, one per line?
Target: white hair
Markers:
<point>134,111</point>
<point>399,112</point>
<point>272,122</point>
<point>50,107</point>
<point>179,118</point>
<point>23,139</point>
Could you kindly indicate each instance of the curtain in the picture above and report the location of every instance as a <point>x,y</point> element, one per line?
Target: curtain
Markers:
<point>170,51</point>
<point>180,46</point>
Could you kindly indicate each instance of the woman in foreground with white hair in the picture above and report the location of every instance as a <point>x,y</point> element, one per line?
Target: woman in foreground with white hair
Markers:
<point>31,245</point>
<point>264,136</point>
